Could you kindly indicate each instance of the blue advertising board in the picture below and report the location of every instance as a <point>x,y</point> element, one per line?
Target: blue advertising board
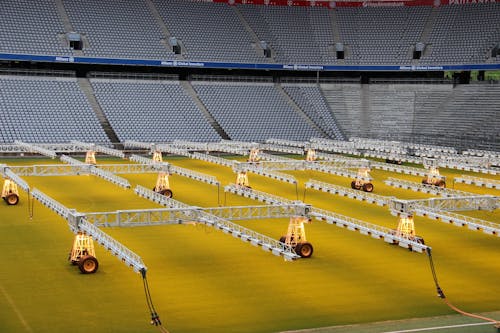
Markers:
<point>231,65</point>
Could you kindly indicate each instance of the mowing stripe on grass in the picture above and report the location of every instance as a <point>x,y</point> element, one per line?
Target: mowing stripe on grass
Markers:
<point>438,328</point>
<point>16,309</point>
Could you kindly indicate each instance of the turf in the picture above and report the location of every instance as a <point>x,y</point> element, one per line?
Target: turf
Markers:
<point>203,280</point>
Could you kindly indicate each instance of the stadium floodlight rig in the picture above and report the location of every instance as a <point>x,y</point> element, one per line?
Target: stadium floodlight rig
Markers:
<point>83,254</point>
<point>10,194</point>
<point>157,156</point>
<point>10,191</point>
<point>406,225</point>
<point>433,177</point>
<point>311,155</point>
<point>163,185</point>
<point>363,179</point>
<point>90,157</point>
<point>296,236</point>
<point>253,156</point>
<point>242,179</point>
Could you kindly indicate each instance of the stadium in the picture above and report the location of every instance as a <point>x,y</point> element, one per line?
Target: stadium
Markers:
<point>250,166</point>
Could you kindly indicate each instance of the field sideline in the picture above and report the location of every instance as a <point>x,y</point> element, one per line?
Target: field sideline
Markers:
<point>203,280</point>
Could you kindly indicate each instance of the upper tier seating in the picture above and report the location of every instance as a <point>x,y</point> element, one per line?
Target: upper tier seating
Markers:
<point>118,29</point>
<point>207,31</point>
<point>32,27</point>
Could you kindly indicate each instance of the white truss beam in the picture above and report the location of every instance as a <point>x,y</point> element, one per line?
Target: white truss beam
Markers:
<point>99,148</point>
<point>32,148</point>
<point>213,159</point>
<point>266,243</point>
<point>77,222</point>
<point>290,143</point>
<point>138,144</point>
<point>348,192</point>
<point>400,169</point>
<point>365,228</point>
<point>161,216</point>
<point>8,173</point>
<point>486,182</point>
<point>425,188</point>
<point>459,220</point>
<point>258,195</point>
<point>110,177</point>
<point>281,149</point>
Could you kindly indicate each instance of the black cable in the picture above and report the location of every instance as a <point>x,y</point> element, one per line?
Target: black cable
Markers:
<point>441,295</point>
<point>155,318</point>
<point>434,276</point>
<point>31,204</point>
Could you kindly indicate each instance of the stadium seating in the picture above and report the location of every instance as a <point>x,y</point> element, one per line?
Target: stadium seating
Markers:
<point>218,35</point>
<point>311,101</point>
<point>218,32</point>
<point>31,27</point>
<point>111,29</point>
<point>381,35</point>
<point>151,111</point>
<point>463,34</point>
<point>250,111</point>
<point>435,114</point>
<point>46,110</point>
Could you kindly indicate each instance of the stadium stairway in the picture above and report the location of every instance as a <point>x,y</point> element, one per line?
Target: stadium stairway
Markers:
<point>86,88</point>
<point>297,109</point>
<point>68,27</point>
<point>159,21</point>
<point>211,120</point>
<point>253,34</point>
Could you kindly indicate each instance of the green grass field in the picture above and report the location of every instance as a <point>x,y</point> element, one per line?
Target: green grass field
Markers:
<point>203,280</point>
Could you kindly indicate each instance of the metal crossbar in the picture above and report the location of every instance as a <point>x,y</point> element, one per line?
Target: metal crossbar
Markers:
<point>213,159</point>
<point>425,188</point>
<point>245,234</point>
<point>8,173</point>
<point>365,228</point>
<point>77,222</point>
<point>460,220</point>
<point>400,169</point>
<point>348,192</point>
<point>486,182</point>
<point>259,170</point>
<point>258,195</point>
<point>106,175</point>
<point>99,148</point>
<point>36,149</point>
<point>55,206</point>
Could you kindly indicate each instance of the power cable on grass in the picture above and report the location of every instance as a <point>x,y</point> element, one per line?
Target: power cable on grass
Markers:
<point>454,308</point>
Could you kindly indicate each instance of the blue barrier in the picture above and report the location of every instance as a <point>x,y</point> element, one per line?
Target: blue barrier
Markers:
<point>231,65</point>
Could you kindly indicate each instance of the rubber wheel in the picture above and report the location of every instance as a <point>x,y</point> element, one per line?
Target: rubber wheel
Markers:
<point>12,199</point>
<point>353,184</point>
<point>441,184</point>
<point>168,193</point>
<point>305,250</point>
<point>368,187</point>
<point>88,265</point>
